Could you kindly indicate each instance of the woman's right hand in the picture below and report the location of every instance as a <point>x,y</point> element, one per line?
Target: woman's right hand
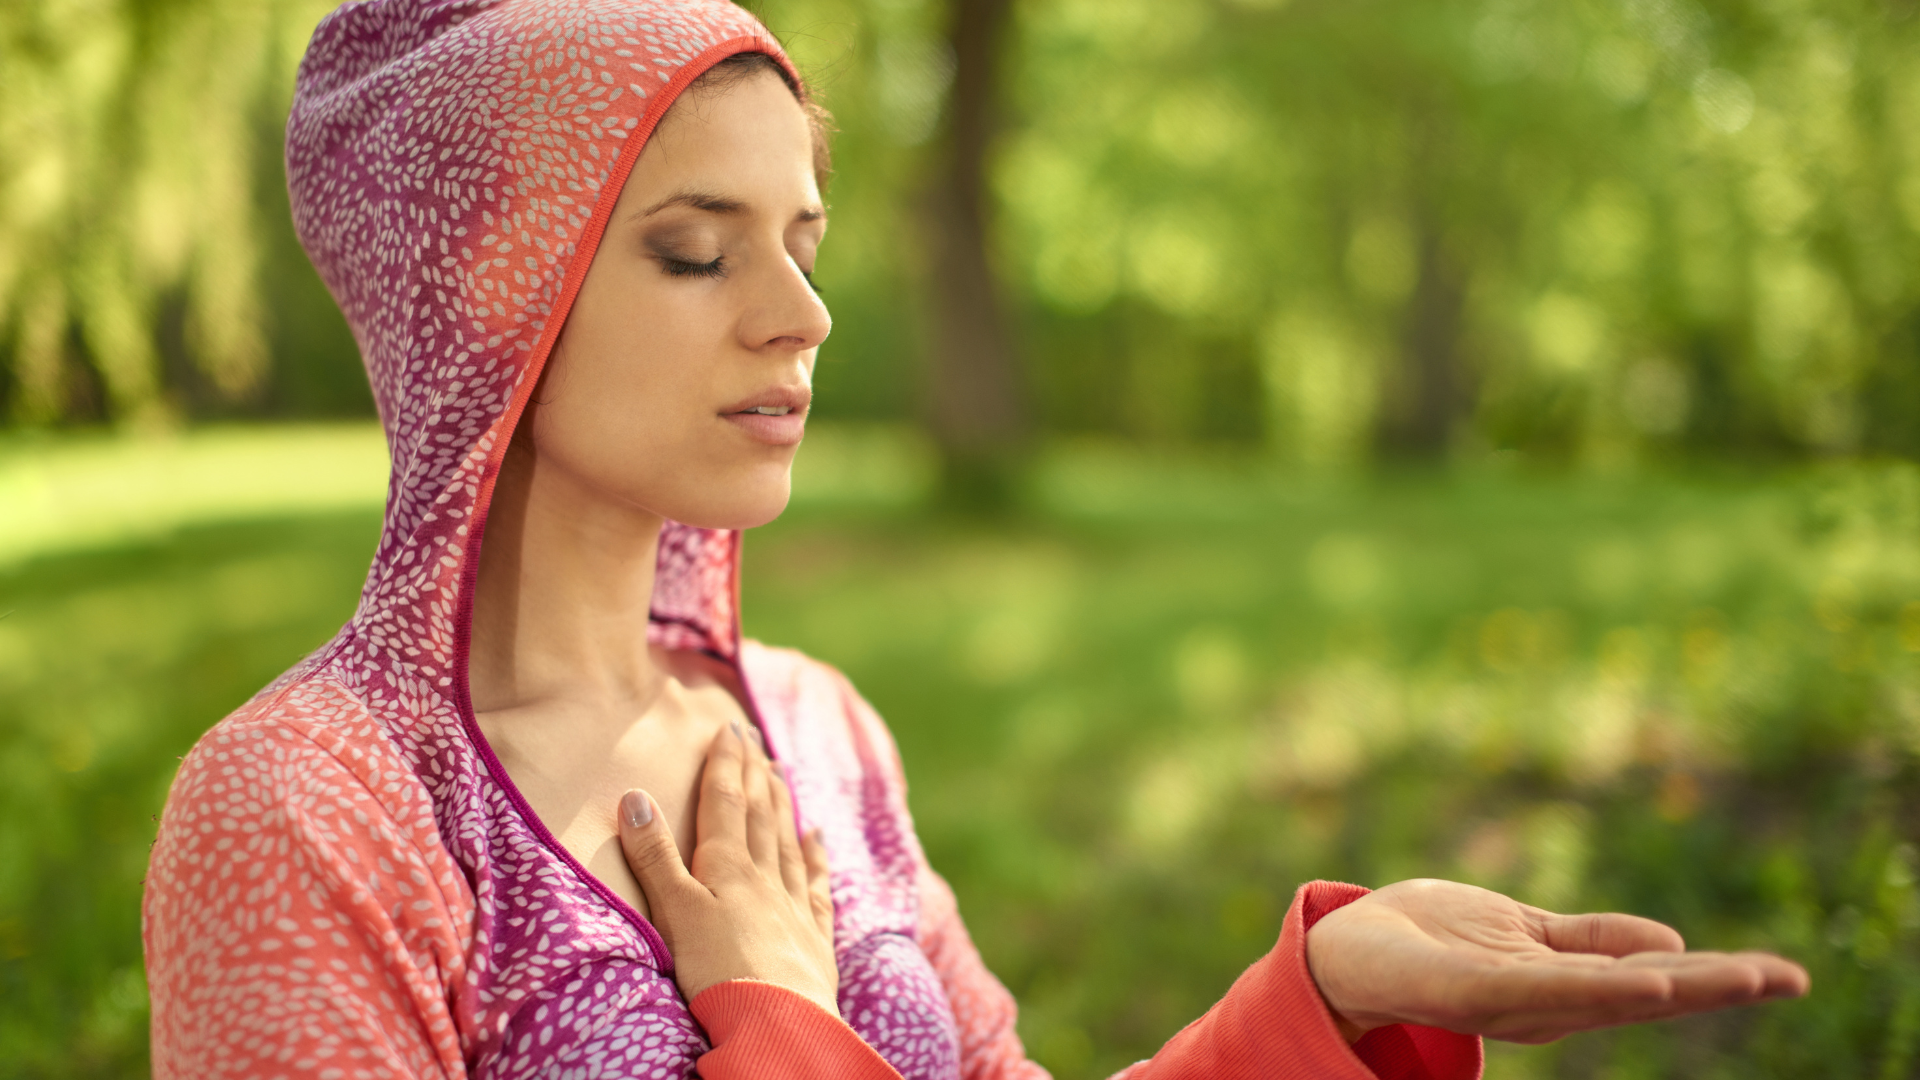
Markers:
<point>755,904</point>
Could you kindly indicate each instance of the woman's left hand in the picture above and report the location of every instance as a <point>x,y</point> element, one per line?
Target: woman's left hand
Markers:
<point>1465,959</point>
<point>754,901</point>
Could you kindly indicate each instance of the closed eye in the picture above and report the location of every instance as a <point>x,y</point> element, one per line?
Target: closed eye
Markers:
<point>681,268</point>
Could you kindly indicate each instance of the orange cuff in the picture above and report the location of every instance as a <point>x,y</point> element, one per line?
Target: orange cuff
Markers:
<point>760,1031</point>
<point>1394,1052</point>
<point>1273,1024</point>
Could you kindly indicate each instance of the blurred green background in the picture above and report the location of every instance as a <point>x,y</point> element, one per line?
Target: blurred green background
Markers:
<point>1433,437</point>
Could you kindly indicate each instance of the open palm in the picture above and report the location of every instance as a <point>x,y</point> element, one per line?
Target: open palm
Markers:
<point>1465,959</point>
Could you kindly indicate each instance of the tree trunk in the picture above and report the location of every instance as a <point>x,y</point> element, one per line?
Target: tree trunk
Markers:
<point>974,401</point>
<point>1425,394</point>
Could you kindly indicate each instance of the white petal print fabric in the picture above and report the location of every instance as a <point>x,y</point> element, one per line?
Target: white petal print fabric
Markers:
<point>346,882</point>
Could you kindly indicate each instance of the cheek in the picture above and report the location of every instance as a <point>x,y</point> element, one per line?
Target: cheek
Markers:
<point>630,401</point>
<point>631,405</point>
<point>640,359</point>
<point>622,421</point>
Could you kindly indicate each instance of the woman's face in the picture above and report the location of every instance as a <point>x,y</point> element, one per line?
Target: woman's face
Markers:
<point>681,381</point>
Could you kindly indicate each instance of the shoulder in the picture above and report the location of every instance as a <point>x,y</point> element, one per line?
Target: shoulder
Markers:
<point>301,781</point>
<point>777,669</point>
<point>848,783</point>
<point>298,861</point>
<point>311,745</point>
<point>813,705</point>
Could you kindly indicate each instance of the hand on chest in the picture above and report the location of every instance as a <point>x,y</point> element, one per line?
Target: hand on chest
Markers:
<point>572,759</point>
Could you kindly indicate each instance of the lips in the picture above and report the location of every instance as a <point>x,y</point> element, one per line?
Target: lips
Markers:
<point>776,416</point>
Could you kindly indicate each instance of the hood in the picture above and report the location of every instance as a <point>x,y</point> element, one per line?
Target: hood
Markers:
<point>452,165</point>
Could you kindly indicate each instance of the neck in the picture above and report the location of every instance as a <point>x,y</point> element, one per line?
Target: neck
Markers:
<point>565,584</point>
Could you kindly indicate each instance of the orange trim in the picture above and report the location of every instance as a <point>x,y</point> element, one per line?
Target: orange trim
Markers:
<point>502,429</point>
<point>759,1030</point>
<point>1273,1023</point>
<point>589,243</point>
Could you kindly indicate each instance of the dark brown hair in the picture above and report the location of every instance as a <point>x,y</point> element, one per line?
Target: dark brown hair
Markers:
<point>740,67</point>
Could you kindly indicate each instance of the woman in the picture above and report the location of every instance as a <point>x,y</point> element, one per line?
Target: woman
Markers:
<point>574,240</point>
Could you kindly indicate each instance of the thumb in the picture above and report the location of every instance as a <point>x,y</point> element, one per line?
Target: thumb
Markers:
<point>653,857</point>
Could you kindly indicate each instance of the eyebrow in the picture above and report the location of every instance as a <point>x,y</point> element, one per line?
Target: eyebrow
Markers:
<point>719,204</point>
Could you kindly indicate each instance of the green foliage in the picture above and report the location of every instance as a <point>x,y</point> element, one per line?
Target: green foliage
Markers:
<point>1660,223</point>
<point>1610,229</point>
<point>1136,718</point>
<point>141,204</point>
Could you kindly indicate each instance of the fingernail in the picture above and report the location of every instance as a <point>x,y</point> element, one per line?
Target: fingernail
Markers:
<point>735,725</point>
<point>636,809</point>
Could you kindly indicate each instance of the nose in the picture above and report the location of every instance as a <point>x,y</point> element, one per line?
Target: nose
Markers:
<point>788,314</point>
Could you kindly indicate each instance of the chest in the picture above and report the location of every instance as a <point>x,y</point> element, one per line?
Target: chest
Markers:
<point>569,984</point>
<point>572,765</point>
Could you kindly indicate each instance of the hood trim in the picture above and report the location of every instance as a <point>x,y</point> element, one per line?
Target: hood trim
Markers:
<point>503,429</point>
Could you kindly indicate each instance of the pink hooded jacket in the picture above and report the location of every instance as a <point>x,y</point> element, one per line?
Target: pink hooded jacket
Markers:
<point>346,882</point>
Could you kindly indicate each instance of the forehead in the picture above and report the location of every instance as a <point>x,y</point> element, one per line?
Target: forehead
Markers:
<point>748,138</point>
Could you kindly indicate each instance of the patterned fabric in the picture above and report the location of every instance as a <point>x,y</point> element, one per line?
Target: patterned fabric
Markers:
<point>346,879</point>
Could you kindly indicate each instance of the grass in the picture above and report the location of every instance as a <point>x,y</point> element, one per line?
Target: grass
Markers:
<point>1138,714</point>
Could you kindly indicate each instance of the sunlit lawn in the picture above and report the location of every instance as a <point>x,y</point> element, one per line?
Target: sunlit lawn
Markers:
<point>1138,713</point>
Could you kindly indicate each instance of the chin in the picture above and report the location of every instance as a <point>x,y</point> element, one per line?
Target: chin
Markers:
<point>746,506</point>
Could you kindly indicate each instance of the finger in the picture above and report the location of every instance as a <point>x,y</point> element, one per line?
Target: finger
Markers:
<point>1562,982</point>
<point>763,828</point>
<point>819,881</point>
<point>1572,992</point>
<point>1701,984</point>
<point>1709,980</point>
<point>1699,987</point>
<point>1546,1025</point>
<point>1609,935</point>
<point>720,821</point>
<point>1785,979</point>
<point>793,864</point>
<point>655,860</point>
<point>1779,976</point>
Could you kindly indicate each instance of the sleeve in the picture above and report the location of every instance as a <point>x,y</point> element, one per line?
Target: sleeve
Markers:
<point>759,1030</point>
<point>1271,1024</point>
<point>295,926</point>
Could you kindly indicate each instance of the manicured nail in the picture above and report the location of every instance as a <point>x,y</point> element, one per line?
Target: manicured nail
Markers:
<point>735,725</point>
<point>636,808</point>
